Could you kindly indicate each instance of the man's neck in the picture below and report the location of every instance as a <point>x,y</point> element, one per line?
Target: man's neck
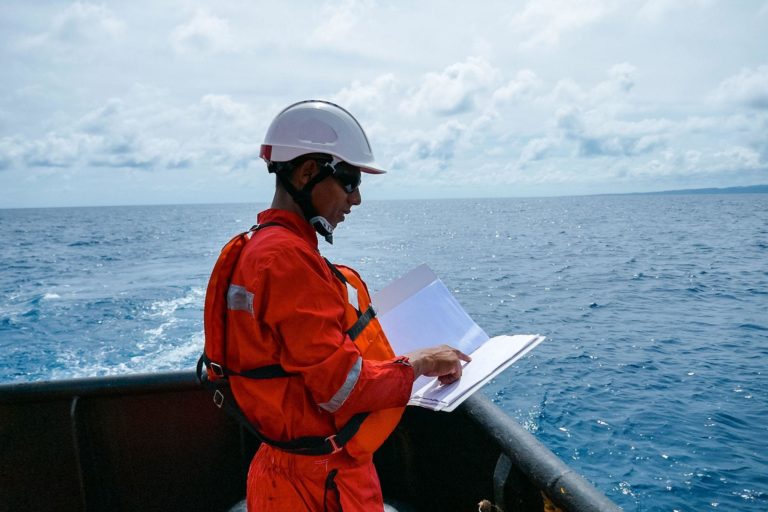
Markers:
<point>282,200</point>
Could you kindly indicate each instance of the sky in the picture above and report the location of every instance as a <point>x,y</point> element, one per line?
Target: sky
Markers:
<point>167,102</point>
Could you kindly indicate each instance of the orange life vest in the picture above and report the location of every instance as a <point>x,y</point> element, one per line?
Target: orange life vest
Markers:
<point>372,344</point>
<point>364,432</point>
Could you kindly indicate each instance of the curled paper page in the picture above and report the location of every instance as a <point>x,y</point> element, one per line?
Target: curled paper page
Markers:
<point>417,311</point>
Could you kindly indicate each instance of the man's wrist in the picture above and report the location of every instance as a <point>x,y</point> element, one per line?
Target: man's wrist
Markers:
<point>417,364</point>
<point>403,360</point>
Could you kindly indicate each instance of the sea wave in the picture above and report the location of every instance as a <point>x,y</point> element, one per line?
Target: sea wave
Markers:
<point>651,382</point>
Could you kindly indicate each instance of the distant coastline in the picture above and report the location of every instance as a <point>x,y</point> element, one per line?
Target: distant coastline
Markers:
<point>752,189</point>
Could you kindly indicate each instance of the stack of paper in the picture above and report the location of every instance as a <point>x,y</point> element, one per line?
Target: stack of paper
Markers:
<point>417,311</point>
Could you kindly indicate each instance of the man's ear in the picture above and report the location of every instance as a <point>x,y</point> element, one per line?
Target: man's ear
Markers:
<point>304,173</point>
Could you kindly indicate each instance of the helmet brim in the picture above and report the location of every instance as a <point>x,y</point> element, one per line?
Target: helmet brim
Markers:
<point>372,169</point>
<point>275,153</point>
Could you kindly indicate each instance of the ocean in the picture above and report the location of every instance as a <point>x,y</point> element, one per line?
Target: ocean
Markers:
<point>651,383</point>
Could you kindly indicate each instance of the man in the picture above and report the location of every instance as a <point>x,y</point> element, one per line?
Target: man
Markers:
<point>308,362</point>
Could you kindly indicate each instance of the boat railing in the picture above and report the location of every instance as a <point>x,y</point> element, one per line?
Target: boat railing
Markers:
<point>156,442</point>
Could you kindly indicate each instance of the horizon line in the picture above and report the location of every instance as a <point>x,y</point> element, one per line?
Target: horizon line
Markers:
<point>742,189</point>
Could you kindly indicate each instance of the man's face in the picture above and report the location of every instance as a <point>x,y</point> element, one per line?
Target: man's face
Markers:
<point>332,201</point>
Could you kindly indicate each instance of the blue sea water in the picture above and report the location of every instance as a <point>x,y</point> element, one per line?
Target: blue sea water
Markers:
<point>651,383</point>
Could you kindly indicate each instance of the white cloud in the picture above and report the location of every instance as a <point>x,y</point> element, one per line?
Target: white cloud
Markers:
<point>217,132</point>
<point>432,151</point>
<point>339,23</point>
<point>525,83</point>
<point>738,158</point>
<point>9,152</point>
<point>718,125</point>
<point>602,121</point>
<point>543,22</point>
<point>621,80</point>
<point>536,149</point>
<point>212,132</point>
<point>204,34</point>
<point>599,135</point>
<point>749,87</point>
<point>653,10</point>
<point>453,90</point>
<point>606,94</point>
<point>590,122</point>
<point>762,142</point>
<point>102,119</point>
<point>617,93</point>
<point>80,23</point>
<point>371,97</point>
<point>53,150</point>
<point>566,92</point>
<point>221,108</point>
<point>685,164</point>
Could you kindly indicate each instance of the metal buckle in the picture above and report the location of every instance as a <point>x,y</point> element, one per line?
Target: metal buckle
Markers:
<point>217,369</point>
<point>336,447</point>
<point>218,398</point>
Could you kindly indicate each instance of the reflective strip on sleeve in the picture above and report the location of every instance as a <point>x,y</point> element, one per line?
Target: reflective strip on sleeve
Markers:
<point>345,389</point>
<point>239,299</point>
<point>352,296</point>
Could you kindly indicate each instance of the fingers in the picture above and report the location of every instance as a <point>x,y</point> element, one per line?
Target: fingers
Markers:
<point>452,358</point>
<point>455,373</point>
<point>449,378</point>
<point>442,361</point>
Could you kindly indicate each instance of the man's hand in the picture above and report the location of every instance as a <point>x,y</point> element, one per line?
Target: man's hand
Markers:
<point>443,362</point>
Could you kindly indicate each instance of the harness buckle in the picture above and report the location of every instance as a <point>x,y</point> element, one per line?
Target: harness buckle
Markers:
<point>218,398</point>
<point>216,369</point>
<point>336,447</point>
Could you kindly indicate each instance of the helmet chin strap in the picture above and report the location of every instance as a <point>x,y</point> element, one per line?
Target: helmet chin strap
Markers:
<point>323,227</point>
<point>303,198</point>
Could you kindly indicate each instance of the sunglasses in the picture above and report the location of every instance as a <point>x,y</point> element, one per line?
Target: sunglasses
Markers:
<point>348,176</point>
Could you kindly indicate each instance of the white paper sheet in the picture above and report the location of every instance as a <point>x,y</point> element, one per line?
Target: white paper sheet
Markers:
<point>417,311</point>
<point>493,357</point>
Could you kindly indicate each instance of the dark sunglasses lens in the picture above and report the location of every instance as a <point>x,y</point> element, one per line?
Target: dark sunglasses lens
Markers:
<point>348,176</point>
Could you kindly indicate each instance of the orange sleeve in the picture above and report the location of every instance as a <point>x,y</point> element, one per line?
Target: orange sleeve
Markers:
<point>297,296</point>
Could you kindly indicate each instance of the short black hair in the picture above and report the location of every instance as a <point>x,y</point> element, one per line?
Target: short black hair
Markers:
<point>286,169</point>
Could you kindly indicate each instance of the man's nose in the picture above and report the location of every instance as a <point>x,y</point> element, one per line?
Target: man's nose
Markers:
<point>355,197</point>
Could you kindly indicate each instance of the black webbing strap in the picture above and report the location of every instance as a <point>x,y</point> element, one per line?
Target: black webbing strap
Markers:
<point>362,322</point>
<point>309,445</point>
<point>364,318</point>
<point>271,371</point>
<point>223,398</point>
<point>336,271</point>
<point>330,485</point>
<point>303,198</point>
<point>265,225</point>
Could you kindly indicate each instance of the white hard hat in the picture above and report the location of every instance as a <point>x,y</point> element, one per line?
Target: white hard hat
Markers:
<point>316,126</point>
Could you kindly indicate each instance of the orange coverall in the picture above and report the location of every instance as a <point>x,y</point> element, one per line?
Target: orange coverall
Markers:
<point>291,311</point>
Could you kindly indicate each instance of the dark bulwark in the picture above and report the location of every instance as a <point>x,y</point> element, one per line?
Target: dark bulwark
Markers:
<point>157,442</point>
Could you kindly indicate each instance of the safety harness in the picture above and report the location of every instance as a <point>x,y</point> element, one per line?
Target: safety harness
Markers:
<point>216,376</point>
